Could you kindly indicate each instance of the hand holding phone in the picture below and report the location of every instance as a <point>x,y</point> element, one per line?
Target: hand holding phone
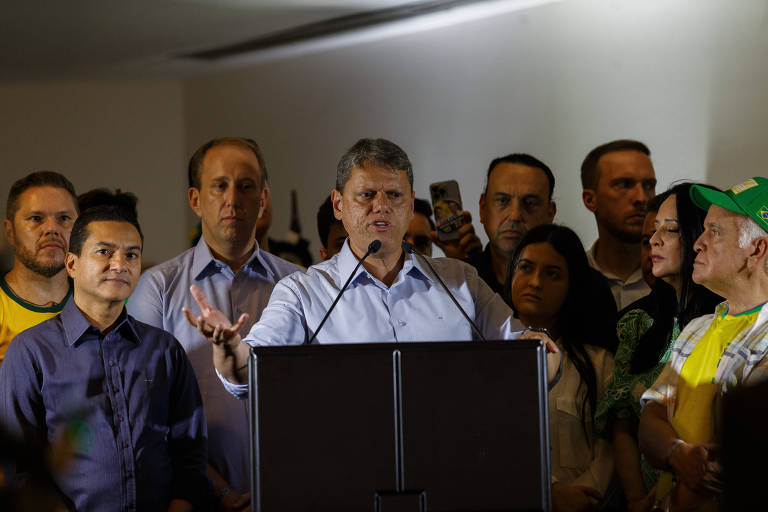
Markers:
<point>446,203</point>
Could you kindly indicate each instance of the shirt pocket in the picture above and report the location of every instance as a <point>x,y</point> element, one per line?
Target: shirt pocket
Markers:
<point>575,453</point>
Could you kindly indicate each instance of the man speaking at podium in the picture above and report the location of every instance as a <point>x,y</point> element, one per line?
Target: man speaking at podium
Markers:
<point>373,290</point>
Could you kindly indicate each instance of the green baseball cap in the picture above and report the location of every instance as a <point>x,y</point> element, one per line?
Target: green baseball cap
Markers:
<point>748,198</point>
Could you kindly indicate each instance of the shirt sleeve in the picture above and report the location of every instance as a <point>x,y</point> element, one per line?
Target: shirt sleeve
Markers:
<point>239,391</point>
<point>23,411</point>
<point>663,390</point>
<point>146,302</point>
<point>188,436</point>
<point>493,316</point>
<point>283,321</point>
<point>617,400</point>
<point>599,473</point>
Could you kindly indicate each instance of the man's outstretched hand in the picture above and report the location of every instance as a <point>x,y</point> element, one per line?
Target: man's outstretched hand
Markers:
<point>212,323</point>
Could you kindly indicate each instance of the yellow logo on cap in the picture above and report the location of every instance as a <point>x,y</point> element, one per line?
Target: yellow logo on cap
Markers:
<point>764,213</point>
<point>741,187</point>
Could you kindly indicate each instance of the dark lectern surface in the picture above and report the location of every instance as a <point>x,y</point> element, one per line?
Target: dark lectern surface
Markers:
<point>325,428</point>
<point>464,422</point>
<point>471,435</point>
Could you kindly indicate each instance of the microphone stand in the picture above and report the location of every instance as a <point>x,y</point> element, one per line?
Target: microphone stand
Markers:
<point>373,248</point>
<point>407,247</point>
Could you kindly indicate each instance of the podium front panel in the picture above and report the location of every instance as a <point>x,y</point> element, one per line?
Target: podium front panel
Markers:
<point>475,434</point>
<point>325,428</point>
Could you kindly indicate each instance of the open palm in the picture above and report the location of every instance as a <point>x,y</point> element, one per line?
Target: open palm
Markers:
<point>212,323</point>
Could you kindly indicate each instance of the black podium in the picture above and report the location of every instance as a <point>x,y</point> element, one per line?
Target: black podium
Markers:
<point>450,426</point>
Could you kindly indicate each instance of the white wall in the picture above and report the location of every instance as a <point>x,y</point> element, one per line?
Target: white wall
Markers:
<point>554,81</point>
<point>126,135</point>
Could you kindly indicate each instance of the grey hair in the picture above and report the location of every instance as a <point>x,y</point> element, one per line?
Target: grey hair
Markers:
<point>379,152</point>
<point>749,231</point>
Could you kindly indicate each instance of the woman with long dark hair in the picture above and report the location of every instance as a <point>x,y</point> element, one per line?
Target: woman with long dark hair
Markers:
<point>551,286</point>
<point>646,330</point>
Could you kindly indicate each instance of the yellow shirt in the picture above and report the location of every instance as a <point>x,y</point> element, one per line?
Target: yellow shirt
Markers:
<point>697,387</point>
<point>17,315</point>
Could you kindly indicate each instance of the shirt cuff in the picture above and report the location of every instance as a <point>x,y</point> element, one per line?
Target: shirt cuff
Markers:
<point>239,391</point>
<point>660,395</point>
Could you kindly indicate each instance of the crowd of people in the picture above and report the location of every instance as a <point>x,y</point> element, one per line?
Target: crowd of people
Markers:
<point>130,384</point>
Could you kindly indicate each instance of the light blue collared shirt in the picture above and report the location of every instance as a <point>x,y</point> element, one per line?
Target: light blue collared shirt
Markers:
<point>414,308</point>
<point>161,293</point>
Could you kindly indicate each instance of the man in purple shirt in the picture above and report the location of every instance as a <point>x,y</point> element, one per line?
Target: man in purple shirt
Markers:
<point>122,393</point>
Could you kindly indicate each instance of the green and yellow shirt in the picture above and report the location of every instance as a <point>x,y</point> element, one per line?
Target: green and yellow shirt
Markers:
<point>17,315</point>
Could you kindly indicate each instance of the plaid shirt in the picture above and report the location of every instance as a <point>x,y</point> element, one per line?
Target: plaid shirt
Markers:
<point>745,360</point>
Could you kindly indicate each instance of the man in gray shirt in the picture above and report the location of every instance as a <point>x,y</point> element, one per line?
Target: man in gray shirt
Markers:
<point>227,179</point>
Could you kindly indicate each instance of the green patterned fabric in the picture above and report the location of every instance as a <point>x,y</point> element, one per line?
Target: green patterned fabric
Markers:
<point>622,398</point>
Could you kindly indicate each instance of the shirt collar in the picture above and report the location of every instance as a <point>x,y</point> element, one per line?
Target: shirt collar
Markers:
<point>415,266</point>
<point>204,263</point>
<point>722,309</point>
<point>76,325</point>
<point>347,260</point>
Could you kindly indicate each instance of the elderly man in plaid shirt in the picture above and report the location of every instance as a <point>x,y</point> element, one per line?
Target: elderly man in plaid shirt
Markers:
<point>715,353</point>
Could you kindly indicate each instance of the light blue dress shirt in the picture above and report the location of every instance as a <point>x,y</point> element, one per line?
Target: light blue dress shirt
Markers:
<point>414,308</point>
<point>161,293</point>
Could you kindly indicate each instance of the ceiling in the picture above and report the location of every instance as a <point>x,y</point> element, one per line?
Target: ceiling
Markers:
<point>81,39</point>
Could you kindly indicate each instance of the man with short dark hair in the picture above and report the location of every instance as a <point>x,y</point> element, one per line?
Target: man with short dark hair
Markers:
<point>421,229</point>
<point>227,179</point>
<point>618,180</point>
<point>123,392</point>
<point>330,229</point>
<point>517,197</point>
<point>715,353</point>
<point>41,209</point>
<point>392,296</point>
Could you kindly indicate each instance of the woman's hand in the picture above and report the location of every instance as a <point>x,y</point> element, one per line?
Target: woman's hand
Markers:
<point>544,337</point>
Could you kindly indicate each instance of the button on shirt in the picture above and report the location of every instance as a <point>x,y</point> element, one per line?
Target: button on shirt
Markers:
<point>162,292</point>
<point>414,308</point>
<point>128,401</point>
<point>624,292</point>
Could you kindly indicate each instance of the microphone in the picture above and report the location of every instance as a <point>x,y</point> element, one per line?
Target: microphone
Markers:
<point>407,247</point>
<point>373,248</point>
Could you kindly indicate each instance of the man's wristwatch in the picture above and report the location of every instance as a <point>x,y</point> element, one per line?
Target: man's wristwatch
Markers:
<point>226,490</point>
